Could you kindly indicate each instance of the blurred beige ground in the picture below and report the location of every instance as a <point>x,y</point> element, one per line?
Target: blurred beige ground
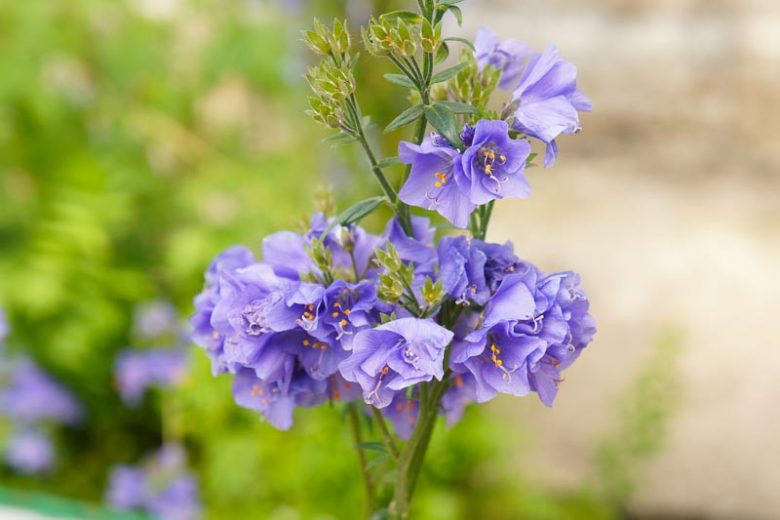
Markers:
<point>669,205</point>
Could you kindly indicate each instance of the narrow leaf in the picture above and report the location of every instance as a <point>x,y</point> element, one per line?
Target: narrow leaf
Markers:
<point>400,79</point>
<point>442,53</point>
<point>448,73</point>
<point>372,446</point>
<point>459,108</point>
<point>388,162</point>
<point>408,116</point>
<point>458,13</point>
<point>339,138</point>
<point>443,120</point>
<point>449,2</point>
<point>407,16</point>
<point>355,213</point>
<point>458,39</point>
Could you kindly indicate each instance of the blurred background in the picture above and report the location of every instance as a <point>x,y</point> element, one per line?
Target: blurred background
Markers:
<point>140,137</point>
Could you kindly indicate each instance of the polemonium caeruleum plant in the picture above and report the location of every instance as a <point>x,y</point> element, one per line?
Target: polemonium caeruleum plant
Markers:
<point>400,327</point>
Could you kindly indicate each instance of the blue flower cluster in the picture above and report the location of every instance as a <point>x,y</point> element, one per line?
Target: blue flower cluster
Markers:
<point>33,402</point>
<point>545,104</point>
<point>161,486</point>
<point>292,338</point>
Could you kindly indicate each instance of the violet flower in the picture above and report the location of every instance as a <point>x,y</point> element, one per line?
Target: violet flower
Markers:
<point>508,56</point>
<point>434,182</point>
<point>29,451</point>
<point>394,356</point>
<point>548,100</point>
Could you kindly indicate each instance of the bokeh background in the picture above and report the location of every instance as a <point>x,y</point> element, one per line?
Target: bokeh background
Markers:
<point>140,137</point>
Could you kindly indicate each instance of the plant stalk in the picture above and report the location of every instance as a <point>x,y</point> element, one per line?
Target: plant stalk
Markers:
<point>357,436</point>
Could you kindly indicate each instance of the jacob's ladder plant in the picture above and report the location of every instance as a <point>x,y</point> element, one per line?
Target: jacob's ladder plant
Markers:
<point>401,327</point>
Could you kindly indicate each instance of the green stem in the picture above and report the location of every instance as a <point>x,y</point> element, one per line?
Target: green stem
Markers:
<point>412,458</point>
<point>392,448</point>
<point>487,212</point>
<point>357,436</point>
<point>400,208</point>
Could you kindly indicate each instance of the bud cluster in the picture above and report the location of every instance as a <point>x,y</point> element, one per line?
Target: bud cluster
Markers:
<point>332,81</point>
<point>469,86</point>
<point>401,36</point>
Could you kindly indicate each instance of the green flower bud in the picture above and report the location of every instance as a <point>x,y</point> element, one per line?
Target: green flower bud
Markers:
<point>340,38</point>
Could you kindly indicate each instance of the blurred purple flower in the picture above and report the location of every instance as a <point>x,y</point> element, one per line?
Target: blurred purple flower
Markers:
<point>508,56</point>
<point>161,486</point>
<point>31,395</point>
<point>394,356</point>
<point>158,321</point>
<point>548,100</point>
<point>29,452</point>
<point>138,370</point>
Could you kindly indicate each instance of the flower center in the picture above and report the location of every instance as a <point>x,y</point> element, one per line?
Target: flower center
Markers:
<point>255,314</point>
<point>488,159</point>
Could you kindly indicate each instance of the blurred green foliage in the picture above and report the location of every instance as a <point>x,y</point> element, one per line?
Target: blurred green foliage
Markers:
<point>135,144</point>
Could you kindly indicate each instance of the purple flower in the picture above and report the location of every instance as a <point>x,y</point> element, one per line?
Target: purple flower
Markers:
<point>138,370</point>
<point>394,356</point>
<point>285,251</point>
<point>462,393</point>
<point>31,395</point>
<point>157,321</point>
<point>548,100</point>
<point>462,270</point>
<point>403,413</point>
<point>29,452</point>
<point>274,400</point>
<point>161,487</point>
<point>347,309</point>
<point>434,182</point>
<point>508,56</point>
<point>126,488</point>
<point>203,332</point>
<point>494,163</point>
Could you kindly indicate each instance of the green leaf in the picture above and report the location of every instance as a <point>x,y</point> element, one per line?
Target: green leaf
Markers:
<point>400,79</point>
<point>458,39</point>
<point>444,120</point>
<point>449,2</point>
<point>458,13</point>
<point>358,211</point>
<point>442,53</point>
<point>459,108</point>
<point>408,116</point>
<point>388,162</point>
<point>407,16</point>
<point>372,446</point>
<point>448,73</point>
<point>339,139</point>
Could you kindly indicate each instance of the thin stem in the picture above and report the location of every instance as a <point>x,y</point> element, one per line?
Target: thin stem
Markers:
<point>392,448</point>
<point>357,436</point>
<point>487,212</point>
<point>361,136</point>
<point>407,70</point>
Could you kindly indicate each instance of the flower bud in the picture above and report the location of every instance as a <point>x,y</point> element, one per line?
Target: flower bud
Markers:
<point>340,37</point>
